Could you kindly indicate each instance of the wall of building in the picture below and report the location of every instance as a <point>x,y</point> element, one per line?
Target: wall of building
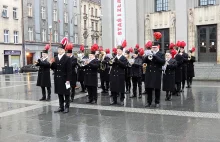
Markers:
<point>12,25</point>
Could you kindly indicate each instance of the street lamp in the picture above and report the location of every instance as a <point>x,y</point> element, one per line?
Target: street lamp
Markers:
<point>50,50</point>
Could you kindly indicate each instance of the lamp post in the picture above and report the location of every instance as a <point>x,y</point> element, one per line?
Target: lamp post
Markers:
<point>50,50</point>
<point>23,41</point>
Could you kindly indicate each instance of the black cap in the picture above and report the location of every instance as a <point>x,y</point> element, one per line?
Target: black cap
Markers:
<point>136,52</point>
<point>155,43</point>
<point>92,52</point>
<point>120,47</point>
<point>61,46</point>
<point>69,51</point>
<point>45,51</point>
<point>127,52</point>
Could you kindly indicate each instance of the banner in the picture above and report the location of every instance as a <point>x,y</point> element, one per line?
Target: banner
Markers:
<point>119,21</point>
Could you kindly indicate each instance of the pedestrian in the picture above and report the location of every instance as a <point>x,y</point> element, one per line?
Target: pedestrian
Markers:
<point>190,67</point>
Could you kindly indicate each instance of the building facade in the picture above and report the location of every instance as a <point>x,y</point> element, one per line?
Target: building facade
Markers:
<point>48,21</point>
<point>91,18</point>
<point>197,22</point>
<point>10,33</point>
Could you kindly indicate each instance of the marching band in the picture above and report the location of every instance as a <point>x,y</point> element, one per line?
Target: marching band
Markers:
<point>122,72</point>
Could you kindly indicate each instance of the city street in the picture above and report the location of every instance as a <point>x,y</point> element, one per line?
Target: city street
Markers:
<point>192,117</point>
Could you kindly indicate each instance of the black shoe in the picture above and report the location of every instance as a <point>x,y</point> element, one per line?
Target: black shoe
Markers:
<point>113,103</point>
<point>133,96</point>
<point>140,96</point>
<point>72,99</point>
<point>148,105</point>
<point>42,99</point>
<point>89,102</point>
<point>59,110</point>
<point>48,99</point>
<point>66,110</point>
<point>94,102</point>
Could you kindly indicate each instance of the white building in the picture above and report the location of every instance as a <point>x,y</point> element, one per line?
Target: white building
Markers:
<point>197,22</point>
<point>91,31</point>
<point>10,33</point>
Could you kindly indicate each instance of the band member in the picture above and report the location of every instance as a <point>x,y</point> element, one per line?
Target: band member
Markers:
<point>154,61</point>
<point>69,49</point>
<point>128,72</point>
<point>169,75</point>
<point>190,67</point>
<point>104,70</point>
<point>81,70</point>
<point>178,72</point>
<point>91,75</point>
<point>136,72</point>
<point>184,65</point>
<point>43,78</point>
<point>117,75</point>
<point>62,76</point>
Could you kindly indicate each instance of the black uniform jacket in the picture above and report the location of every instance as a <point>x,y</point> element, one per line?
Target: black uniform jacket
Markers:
<point>43,78</point>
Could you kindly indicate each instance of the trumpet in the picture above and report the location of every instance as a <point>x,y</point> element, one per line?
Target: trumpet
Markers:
<point>112,61</point>
<point>81,62</point>
<point>150,56</point>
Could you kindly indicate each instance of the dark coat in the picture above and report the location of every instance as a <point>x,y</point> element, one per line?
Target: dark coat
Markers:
<point>117,75</point>
<point>178,73</point>
<point>91,73</point>
<point>74,74</point>
<point>43,78</point>
<point>184,66</point>
<point>169,76</point>
<point>81,72</point>
<point>128,70</point>
<point>104,74</point>
<point>154,70</point>
<point>190,67</point>
<point>62,73</point>
<point>137,67</point>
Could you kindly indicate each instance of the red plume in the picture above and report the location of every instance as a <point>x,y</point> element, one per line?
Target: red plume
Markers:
<point>172,45</point>
<point>95,47</point>
<point>130,50</point>
<point>100,48</point>
<point>141,51</point>
<point>124,44</point>
<point>157,35</point>
<point>173,53</point>
<point>149,44</point>
<point>183,44</point>
<point>114,50</point>
<point>137,46</point>
<point>107,51</point>
<point>193,49</point>
<point>178,44</point>
<point>64,41</point>
<point>69,46</point>
<point>82,48</point>
<point>47,47</point>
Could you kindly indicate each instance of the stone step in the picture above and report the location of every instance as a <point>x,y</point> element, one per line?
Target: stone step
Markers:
<point>207,71</point>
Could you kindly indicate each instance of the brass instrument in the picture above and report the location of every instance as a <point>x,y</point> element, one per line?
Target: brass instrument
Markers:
<point>150,57</point>
<point>101,58</point>
<point>111,61</point>
<point>130,62</point>
<point>144,68</point>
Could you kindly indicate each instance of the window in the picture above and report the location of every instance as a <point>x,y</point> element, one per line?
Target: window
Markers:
<point>15,13</point>
<point>92,26</point>
<point>91,11</point>
<point>30,34</point>
<point>5,11</point>
<point>54,15</point>
<point>15,36</point>
<point>6,36</point>
<point>65,1</point>
<point>75,20</point>
<point>96,12</point>
<point>43,35</point>
<point>207,2</point>
<point>161,5</point>
<point>84,24</point>
<point>65,17</point>
<point>75,3</point>
<point>43,14</point>
<point>84,8</point>
<point>76,38</point>
<point>55,37</point>
<point>29,9</point>
<point>66,34</point>
<point>96,26</point>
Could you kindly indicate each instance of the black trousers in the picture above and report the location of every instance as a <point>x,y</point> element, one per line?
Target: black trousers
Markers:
<point>128,83</point>
<point>72,92</point>
<point>136,81</point>
<point>104,85</point>
<point>189,81</point>
<point>82,86</point>
<point>150,93</point>
<point>178,87</point>
<point>92,91</point>
<point>115,96</point>
<point>64,98</point>
<point>44,91</point>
